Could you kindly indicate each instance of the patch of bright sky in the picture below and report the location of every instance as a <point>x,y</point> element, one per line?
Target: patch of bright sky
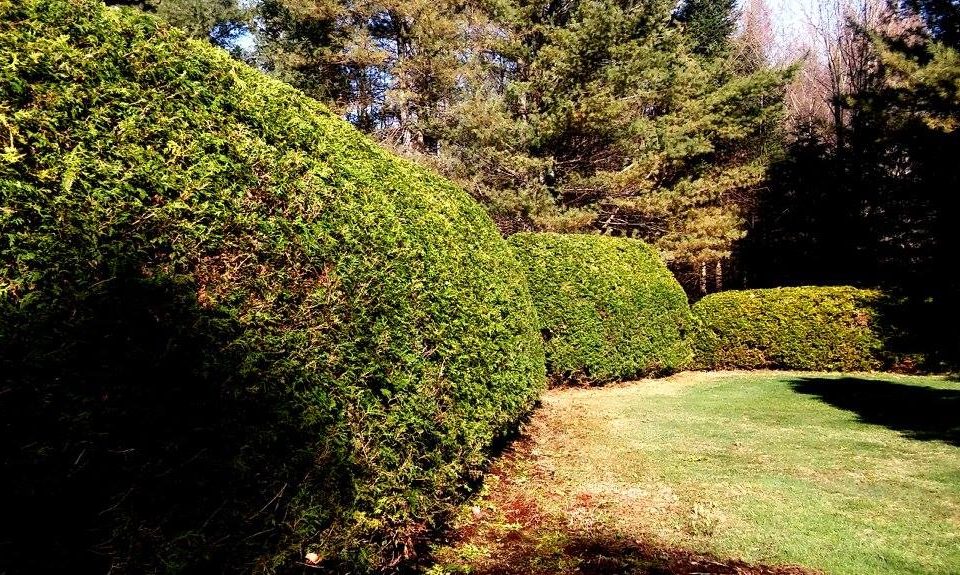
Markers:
<point>792,20</point>
<point>245,41</point>
<point>790,16</point>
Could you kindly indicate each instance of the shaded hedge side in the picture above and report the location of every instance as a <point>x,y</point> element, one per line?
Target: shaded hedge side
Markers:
<point>609,308</point>
<point>232,329</point>
<point>804,328</point>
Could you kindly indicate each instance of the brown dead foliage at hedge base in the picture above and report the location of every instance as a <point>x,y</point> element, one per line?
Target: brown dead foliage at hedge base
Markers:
<point>509,532</point>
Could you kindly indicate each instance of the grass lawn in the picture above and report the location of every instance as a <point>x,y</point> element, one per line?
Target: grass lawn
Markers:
<point>762,472</point>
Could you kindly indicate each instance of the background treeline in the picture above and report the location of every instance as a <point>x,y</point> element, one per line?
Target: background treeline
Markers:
<point>745,161</point>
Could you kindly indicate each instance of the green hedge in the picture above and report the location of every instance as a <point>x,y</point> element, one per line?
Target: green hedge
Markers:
<point>809,328</point>
<point>609,308</point>
<point>232,329</point>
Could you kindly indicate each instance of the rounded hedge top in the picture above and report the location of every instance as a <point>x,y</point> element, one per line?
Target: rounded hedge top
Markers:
<point>233,329</point>
<point>609,308</point>
<point>808,328</point>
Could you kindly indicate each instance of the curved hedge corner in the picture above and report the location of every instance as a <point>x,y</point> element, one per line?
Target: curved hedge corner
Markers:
<point>609,308</point>
<point>232,330</point>
<point>806,328</point>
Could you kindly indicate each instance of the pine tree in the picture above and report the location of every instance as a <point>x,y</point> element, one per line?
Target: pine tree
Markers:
<point>917,140</point>
<point>709,24</point>
<point>304,42</point>
<point>645,136</point>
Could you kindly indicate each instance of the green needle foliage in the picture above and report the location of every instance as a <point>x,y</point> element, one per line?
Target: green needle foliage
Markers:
<point>807,328</point>
<point>232,329</point>
<point>609,308</point>
<point>709,23</point>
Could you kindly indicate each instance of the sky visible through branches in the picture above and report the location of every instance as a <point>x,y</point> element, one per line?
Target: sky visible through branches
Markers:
<point>791,21</point>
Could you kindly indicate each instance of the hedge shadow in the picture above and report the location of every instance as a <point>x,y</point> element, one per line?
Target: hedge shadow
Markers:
<point>125,432</point>
<point>918,412</point>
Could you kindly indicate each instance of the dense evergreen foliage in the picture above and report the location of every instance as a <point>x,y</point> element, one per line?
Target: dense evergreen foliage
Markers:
<point>709,23</point>
<point>942,18</point>
<point>623,115</point>
<point>810,328</point>
<point>608,307</point>
<point>235,331</point>
<point>221,22</point>
<point>232,329</point>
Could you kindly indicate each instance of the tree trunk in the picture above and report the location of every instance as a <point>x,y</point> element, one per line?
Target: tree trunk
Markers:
<point>719,278</point>
<point>703,278</point>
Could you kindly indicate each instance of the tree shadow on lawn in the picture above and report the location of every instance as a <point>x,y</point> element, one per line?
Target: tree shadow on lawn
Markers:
<point>918,412</point>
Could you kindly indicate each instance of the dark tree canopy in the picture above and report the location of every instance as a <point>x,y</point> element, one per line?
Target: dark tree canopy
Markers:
<point>867,197</point>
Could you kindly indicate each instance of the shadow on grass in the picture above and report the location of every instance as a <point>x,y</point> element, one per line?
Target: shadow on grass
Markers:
<point>600,554</point>
<point>918,412</point>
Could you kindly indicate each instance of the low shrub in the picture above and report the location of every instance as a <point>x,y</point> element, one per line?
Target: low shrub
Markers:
<point>232,330</point>
<point>807,328</point>
<point>609,308</point>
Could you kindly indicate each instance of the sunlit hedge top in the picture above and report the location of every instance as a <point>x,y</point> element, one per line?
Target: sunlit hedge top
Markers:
<point>177,232</point>
<point>609,308</point>
<point>812,328</point>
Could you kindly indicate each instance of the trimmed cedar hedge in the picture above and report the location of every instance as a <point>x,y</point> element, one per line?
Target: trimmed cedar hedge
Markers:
<point>806,328</point>
<point>232,329</point>
<point>609,308</point>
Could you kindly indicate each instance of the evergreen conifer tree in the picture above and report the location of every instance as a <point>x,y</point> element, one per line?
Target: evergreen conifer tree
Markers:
<point>709,24</point>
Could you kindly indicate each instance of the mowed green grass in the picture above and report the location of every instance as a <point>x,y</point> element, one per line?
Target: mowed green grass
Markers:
<point>855,474</point>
